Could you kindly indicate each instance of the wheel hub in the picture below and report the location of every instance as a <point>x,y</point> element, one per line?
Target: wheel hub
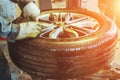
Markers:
<point>67,25</point>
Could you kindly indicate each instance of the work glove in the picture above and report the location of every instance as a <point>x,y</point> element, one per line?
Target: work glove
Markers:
<point>28,30</point>
<point>11,31</point>
<point>23,31</point>
<point>31,10</point>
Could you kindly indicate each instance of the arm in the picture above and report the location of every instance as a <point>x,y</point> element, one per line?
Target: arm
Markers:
<point>11,32</point>
<point>27,7</point>
<point>8,31</point>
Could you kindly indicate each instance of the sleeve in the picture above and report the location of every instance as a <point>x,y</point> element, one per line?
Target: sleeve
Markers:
<point>5,27</point>
<point>8,31</point>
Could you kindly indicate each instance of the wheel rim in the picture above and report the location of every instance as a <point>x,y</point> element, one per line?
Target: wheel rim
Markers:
<point>66,24</point>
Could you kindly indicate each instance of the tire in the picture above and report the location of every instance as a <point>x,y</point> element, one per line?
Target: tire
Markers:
<point>67,58</point>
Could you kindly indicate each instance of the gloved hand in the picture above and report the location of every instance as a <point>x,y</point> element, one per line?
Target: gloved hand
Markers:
<point>31,10</point>
<point>10,31</point>
<point>29,30</point>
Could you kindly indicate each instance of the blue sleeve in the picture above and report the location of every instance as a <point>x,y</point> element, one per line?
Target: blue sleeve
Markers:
<point>8,30</point>
<point>7,10</point>
<point>5,27</point>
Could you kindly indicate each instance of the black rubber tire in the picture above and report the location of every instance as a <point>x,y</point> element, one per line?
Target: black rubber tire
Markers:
<point>72,58</point>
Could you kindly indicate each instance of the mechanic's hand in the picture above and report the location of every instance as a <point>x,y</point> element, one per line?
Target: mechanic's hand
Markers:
<point>29,30</point>
<point>31,10</point>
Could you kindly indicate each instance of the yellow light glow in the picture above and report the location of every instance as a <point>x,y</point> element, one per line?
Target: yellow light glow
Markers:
<point>117,6</point>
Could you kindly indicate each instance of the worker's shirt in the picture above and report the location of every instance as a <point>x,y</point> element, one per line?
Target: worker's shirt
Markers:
<point>7,9</point>
<point>7,15</point>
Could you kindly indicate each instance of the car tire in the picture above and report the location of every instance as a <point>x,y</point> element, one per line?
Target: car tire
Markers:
<point>67,58</point>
